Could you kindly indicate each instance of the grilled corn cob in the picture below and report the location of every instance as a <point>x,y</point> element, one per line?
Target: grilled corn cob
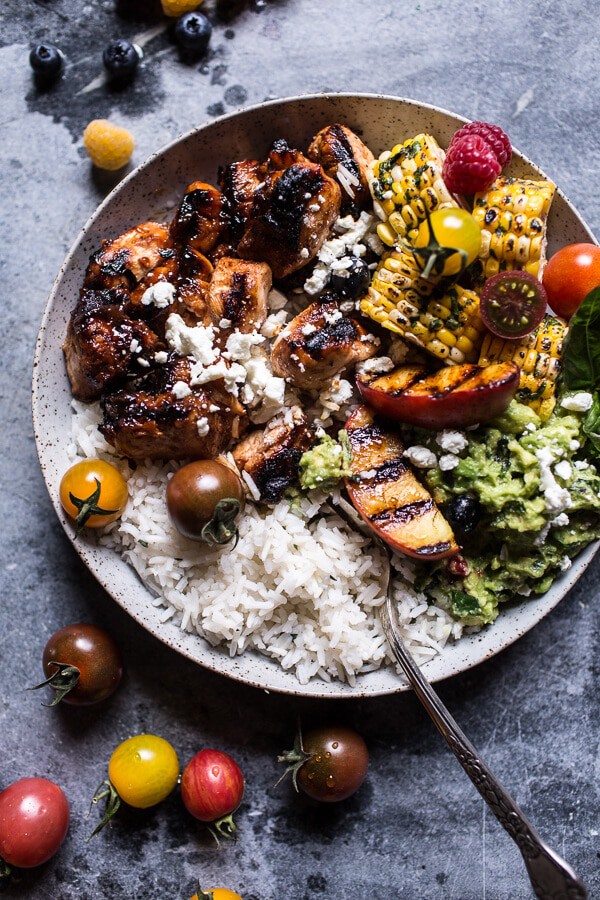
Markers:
<point>405,181</point>
<point>446,323</point>
<point>538,355</point>
<point>512,216</point>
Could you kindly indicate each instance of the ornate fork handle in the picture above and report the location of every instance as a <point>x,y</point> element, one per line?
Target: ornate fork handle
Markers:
<point>551,877</point>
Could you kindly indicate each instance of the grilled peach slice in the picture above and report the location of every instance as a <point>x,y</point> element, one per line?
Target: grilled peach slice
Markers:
<point>456,396</point>
<point>387,495</point>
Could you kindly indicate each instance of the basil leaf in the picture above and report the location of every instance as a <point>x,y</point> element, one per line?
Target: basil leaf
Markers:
<point>581,353</point>
<point>591,426</point>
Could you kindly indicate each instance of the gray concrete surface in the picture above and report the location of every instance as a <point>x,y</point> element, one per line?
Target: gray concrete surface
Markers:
<point>417,830</point>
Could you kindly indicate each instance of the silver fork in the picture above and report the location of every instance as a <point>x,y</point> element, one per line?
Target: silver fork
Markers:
<point>551,877</point>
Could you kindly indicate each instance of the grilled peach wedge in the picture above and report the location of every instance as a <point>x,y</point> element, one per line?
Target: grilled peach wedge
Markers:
<point>456,396</point>
<point>387,495</point>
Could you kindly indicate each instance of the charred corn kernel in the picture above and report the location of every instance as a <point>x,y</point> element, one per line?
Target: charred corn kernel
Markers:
<point>512,216</point>
<point>405,182</point>
<point>109,146</point>
<point>179,7</point>
<point>446,324</point>
<point>538,355</point>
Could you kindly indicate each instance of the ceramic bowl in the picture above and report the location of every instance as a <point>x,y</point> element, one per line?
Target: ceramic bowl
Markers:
<point>150,191</point>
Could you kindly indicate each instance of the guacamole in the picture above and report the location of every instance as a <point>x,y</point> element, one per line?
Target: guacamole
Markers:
<point>325,463</point>
<point>538,505</point>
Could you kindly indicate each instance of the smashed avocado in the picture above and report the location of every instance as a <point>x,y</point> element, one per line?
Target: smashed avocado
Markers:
<point>325,463</point>
<point>537,503</point>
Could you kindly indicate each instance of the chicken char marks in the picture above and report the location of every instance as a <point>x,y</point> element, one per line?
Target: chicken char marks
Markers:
<point>148,420</point>
<point>337,145</point>
<point>124,261</point>
<point>271,456</point>
<point>292,212</point>
<point>319,343</point>
<point>238,293</point>
<point>102,340</point>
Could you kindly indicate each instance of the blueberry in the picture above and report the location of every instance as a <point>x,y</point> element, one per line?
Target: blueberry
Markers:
<point>121,59</point>
<point>46,60</point>
<point>192,32</point>
<point>351,281</point>
<point>463,513</point>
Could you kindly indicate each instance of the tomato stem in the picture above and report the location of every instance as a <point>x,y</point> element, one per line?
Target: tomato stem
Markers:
<point>222,528</point>
<point>105,790</point>
<point>205,895</point>
<point>224,827</point>
<point>62,681</point>
<point>433,257</point>
<point>88,507</point>
<point>294,760</point>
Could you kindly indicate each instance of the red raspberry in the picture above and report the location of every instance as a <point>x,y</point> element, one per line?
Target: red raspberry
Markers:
<point>493,134</point>
<point>470,166</point>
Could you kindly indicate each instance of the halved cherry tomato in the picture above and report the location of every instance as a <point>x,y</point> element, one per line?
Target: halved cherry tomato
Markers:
<point>93,493</point>
<point>512,304</point>
<point>34,819</point>
<point>82,665</point>
<point>447,242</point>
<point>570,275</point>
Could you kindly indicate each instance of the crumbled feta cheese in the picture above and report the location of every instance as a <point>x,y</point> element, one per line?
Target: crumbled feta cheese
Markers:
<point>225,323</point>
<point>531,426</point>
<point>448,461</point>
<point>333,316</point>
<point>307,195</point>
<point>143,362</point>
<point>452,441</point>
<point>213,408</point>
<point>314,207</point>
<point>579,402</point>
<point>574,445</point>
<point>563,470</point>
<point>338,393</point>
<point>349,235</point>
<point>160,295</point>
<point>580,464</point>
<point>377,365</point>
<point>239,345</point>
<point>203,426</point>
<point>421,457</point>
<point>274,323</point>
<point>276,300</point>
<point>196,341</point>
<point>261,385</point>
<point>557,499</point>
<point>565,564</point>
<point>367,474</point>
<point>135,346</point>
<point>161,357</point>
<point>305,252</point>
<point>308,328</point>
<point>180,390</point>
<point>561,521</point>
<point>232,375</point>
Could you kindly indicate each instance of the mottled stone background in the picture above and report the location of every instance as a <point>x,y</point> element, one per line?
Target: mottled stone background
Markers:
<point>417,830</point>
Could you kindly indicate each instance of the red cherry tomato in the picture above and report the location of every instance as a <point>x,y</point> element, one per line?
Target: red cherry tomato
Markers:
<point>570,275</point>
<point>82,664</point>
<point>329,764</point>
<point>34,818</point>
<point>212,788</point>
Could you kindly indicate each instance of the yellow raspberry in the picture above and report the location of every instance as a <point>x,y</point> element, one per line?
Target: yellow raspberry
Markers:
<point>109,146</point>
<point>179,7</point>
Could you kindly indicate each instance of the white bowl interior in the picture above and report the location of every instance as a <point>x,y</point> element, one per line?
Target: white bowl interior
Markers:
<point>150,191</point>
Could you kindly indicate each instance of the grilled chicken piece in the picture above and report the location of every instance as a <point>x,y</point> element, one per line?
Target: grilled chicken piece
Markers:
<point>239,182</point>
<point>103,341</point>
<point>318,343</point>
<point>152,420</point>
<point>124,261</point>
<point>238,292</point>
<point>337,145</point>
<point>195,272</point>
<point>271,456</point>
<point>201,220</point>
<point>282,156</point>
<point>388,496</point>
<point>291,215</point>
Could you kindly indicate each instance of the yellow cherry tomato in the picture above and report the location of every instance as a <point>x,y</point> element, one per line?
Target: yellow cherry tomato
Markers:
<point>143,770</point>
<point>449,229</point>
<point>217,894</point>
<point>93,492</point>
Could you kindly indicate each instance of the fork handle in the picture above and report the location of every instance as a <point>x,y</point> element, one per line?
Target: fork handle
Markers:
<point>551,877</point>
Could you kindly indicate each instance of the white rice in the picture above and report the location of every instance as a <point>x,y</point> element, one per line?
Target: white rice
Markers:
<point>300,586</point>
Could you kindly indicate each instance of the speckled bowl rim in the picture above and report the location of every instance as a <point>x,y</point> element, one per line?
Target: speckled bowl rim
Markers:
<point>495,639</point>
